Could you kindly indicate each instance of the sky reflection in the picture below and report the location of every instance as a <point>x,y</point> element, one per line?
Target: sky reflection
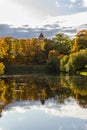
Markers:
<point>50,116</point>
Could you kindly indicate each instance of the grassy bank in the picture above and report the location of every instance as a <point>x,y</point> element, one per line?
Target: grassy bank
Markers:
<point>32,69</point>
<point>83,73</point>
<point>24,69</point>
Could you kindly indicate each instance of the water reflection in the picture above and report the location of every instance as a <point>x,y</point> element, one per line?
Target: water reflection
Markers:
<point>62,98</point>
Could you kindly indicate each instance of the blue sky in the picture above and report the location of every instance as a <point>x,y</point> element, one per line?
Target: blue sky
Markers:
<point>35,12</point>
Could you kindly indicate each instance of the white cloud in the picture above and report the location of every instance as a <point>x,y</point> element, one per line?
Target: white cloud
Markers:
<point>57,4</point>
<point>68,20</point>
<point>10,13</point>
<point>17,14</point>
<point>71,6</point>
<point>30,12</point>
<point>73,1</point>
<point>85,3</point>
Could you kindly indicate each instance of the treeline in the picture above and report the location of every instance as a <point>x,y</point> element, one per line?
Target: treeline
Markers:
<point>58,54</point>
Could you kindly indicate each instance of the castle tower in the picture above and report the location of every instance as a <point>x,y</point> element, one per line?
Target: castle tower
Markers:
<point>41,36</point>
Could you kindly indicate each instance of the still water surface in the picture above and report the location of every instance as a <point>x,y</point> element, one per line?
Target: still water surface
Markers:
<point>43,102</point>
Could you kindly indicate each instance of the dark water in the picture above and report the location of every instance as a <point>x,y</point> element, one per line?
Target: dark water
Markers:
<point>43,102</point>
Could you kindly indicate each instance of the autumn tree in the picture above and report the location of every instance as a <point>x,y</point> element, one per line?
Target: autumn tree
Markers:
<point>80,41</point>
<point>3,48</point>
<point>3,53</point>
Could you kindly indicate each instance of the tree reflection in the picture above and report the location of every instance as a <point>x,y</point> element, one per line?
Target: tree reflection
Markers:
<point>41,89</point>
<point>78,86</point>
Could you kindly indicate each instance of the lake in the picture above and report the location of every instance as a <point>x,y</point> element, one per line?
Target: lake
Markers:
<point>43,102</point>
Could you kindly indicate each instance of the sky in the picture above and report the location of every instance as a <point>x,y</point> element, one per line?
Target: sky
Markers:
<point>38,12</point>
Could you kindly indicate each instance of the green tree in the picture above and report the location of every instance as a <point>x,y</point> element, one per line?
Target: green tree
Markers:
<point>48,45</point>
<point>62,43</point>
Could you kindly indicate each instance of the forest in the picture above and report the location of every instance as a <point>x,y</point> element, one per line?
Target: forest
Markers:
<point>59,54</point>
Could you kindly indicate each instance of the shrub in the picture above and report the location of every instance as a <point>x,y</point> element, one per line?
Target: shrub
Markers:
<point>74,62</point>
<point>52,53</point>
<point>69,67</point>
<point>77,61</point>
<point>63,62</point>
<point>52,65</point>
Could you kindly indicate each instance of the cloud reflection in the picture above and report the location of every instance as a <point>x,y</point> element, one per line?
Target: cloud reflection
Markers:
<point>69,109</point>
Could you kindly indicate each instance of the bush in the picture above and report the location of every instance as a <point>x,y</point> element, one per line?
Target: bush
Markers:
<point>78,60</point>
<point>52,65</point>
<point>63,62</point>
<point>2,67</point>
<point>69,67</point>
<point>52,54</point>
<point>74,62</point>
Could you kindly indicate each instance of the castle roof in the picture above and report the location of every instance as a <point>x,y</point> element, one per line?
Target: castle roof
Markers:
<point>41,36</point>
